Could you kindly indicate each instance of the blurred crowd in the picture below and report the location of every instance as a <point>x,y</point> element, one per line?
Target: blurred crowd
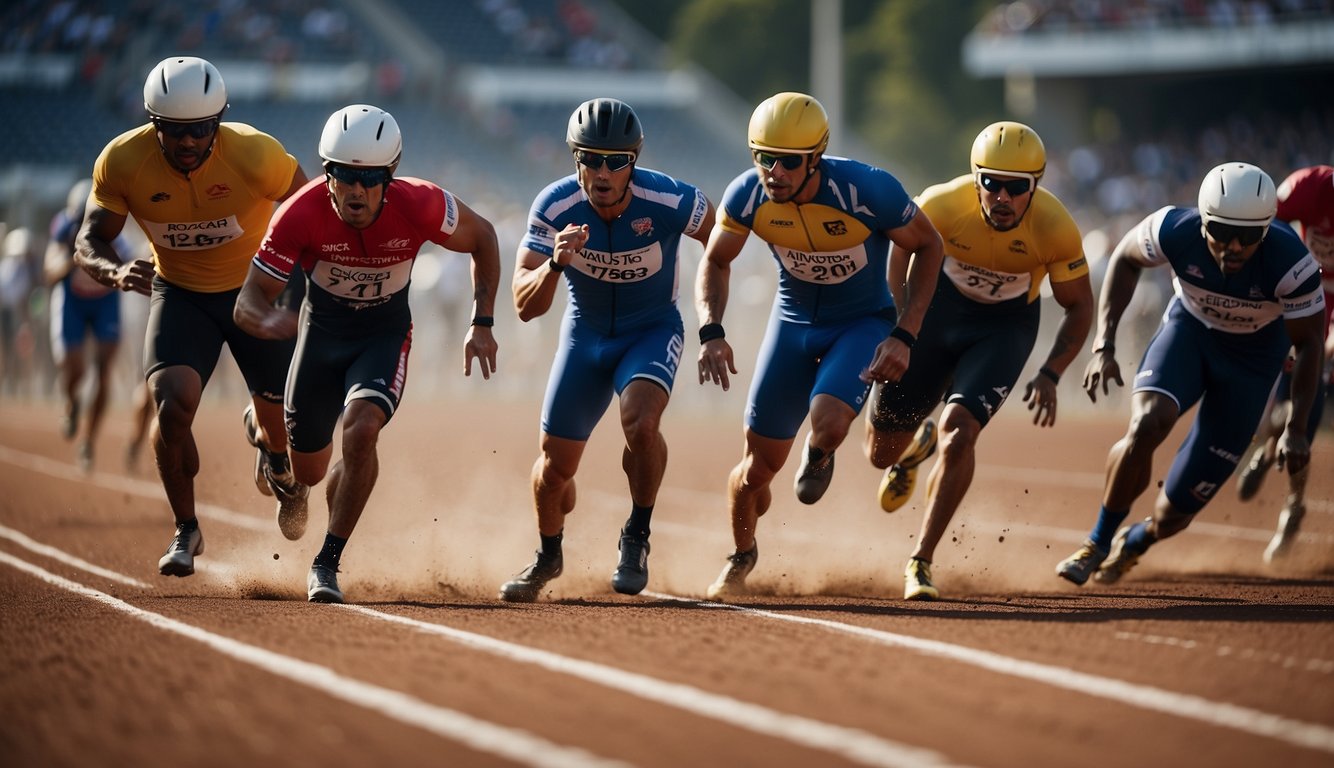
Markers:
<point>1066,16</point>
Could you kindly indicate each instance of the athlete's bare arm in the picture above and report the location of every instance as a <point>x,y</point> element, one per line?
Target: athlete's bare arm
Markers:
<point>477,236</point>
<point>712,284</point>
<point>535,282</point>
<point>94,253</point>
<point>255,312</point>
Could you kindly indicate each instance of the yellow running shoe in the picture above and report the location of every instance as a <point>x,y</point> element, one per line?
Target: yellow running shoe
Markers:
<point>897,485</point>
<point>917,581</point>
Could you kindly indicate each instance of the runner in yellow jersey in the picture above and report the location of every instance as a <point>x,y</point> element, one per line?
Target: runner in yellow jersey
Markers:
<point>1003,234</point>
<point>202,191</point>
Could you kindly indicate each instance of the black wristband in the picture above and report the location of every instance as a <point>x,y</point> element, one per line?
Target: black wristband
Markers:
<point>711,331</point>
<point>485,321</point>
<point>903,335</point>
<point>555,266</point>
<point>1049,373</point>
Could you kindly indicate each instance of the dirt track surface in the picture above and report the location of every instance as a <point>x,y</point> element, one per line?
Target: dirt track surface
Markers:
<point>1202,656</point>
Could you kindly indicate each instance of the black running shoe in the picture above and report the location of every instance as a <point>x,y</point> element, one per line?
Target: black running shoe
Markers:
<point>631,574</point>
<point>525,587</point>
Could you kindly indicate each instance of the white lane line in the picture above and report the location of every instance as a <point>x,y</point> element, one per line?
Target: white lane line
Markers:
<point>56,554</point>
<point>509,743</point>
<point>849,743</point>
<point>1302,734</point>
<point>1286,661</point>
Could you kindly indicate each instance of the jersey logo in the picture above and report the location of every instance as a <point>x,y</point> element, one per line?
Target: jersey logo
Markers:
<point>836,228</point>
<point>1194,271</point>
<point>1076,264</point>
<point>1018,246</point>
<point>959,245</point>
<point>160,197</point>
<point>1204,490</point>
<point>218,191</point>
<point>1256,293</point>
<point>397,243</point>
<point>642,227</point>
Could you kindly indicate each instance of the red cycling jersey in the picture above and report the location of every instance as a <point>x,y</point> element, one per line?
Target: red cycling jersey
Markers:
<point>356,269</point>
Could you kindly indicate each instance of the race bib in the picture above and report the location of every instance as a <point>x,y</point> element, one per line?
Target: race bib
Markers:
<point>825,268</point>
<point>984,285</point>
<point>620,267</point>
<point>193,235</point>
<point>356,283</point>
<point>1227,313</point>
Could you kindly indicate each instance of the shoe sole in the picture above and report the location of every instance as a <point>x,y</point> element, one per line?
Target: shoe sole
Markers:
<point>924,449</point>
<point>896,502</point>
<point>175,568</point>
<point>922,595</point>
<point>292,519</point>
<point>325,596</point>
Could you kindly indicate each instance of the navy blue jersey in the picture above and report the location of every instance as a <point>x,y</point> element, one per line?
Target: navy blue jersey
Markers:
<point>1282,278</point>
<point>626,276</point>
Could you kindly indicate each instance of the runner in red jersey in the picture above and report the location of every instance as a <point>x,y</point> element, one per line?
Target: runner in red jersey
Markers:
<point>1306,201</point>
<point>354,330</point>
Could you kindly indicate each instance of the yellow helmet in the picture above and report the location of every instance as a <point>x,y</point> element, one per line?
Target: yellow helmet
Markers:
<point>791,123</point>
<point>1009,146</point>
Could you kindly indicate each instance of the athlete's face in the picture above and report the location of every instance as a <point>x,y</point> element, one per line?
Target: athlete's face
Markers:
<point>784,174</point>
<point>1004,197</point>
<point>1232,246</point>
<point>604,176</point>
<point>186,145</point>
<point>356,193</point>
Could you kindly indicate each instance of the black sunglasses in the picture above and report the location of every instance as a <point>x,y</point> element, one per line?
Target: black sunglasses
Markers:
<point>373,176</point>
<point>767,160</point>
<point>1226,233</point>
<point>594,160</point>
<point>198,129</point>
<point>1015,187</point>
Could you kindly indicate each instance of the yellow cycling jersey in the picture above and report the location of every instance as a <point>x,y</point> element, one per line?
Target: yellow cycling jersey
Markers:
<point>989,266</point>
<point>204,227</point>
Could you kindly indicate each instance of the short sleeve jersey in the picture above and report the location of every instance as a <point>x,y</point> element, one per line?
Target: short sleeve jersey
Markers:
<point>1306,200</point>
<point>990,266</point>
<point>626,277</point>
<point>203,227</point>
<point>358,278</point>
<point>832,252</point>
<point>1280,279</point>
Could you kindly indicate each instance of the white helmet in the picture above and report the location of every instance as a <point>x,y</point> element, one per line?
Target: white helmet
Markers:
<point>184,89</point>
<point>361,135</point>
<point>1239,194</point>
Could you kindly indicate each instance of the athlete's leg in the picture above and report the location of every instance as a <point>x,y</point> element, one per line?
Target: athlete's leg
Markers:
<point>72,367</point>
<point>644,458</point>
<point>353,476</point>
<point>950,477</point>
<point>104,356</point>
<point>553,482</point>
<point>1130,462</point>
<point>176,391</point>
<point>748,486</point>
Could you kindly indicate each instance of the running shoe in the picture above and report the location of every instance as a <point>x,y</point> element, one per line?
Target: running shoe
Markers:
<point>1078,567</point>
<point>1119,560</point>
<point>293,497</point>
<point>631,574</point>
<point>732,581</point>
<point>1253,474</point>
<point>813,477</point>
<point>526,587</point>
<point>897,485</point>
<point>1289,522</point>
<point>917,581</point>
<point>180,557</point>
<point>252,437</point>
<point>322,585</point>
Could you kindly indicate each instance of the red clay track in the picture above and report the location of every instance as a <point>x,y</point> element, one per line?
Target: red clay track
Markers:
<point>1204,656</point>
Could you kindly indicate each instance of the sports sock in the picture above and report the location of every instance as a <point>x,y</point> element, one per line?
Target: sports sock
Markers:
<point>1105,529</point>
<point>1138,539</point>
<point>551,544</point>
<point>186,526</point>
<point>332,551</point>
<point>638,524</point>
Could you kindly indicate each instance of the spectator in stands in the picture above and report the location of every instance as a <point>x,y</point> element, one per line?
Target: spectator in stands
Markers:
<point>355,330</point>
<point>202,191</point>
<point>1220,346</point>
<point>613,230</point>
<point>80,306</point>
<point>1306,201</point>
<point>829,223</point>
<point>1003,235</point>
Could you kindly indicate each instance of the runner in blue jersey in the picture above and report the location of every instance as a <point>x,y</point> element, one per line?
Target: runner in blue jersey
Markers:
<point>612,230</point>
<point>834,329</point>
<point>1237,272</point>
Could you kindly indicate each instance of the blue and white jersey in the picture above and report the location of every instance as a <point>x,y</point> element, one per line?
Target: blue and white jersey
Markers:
<point>1282,278</point>
<point>626,275</point>
<point>832,252</point>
